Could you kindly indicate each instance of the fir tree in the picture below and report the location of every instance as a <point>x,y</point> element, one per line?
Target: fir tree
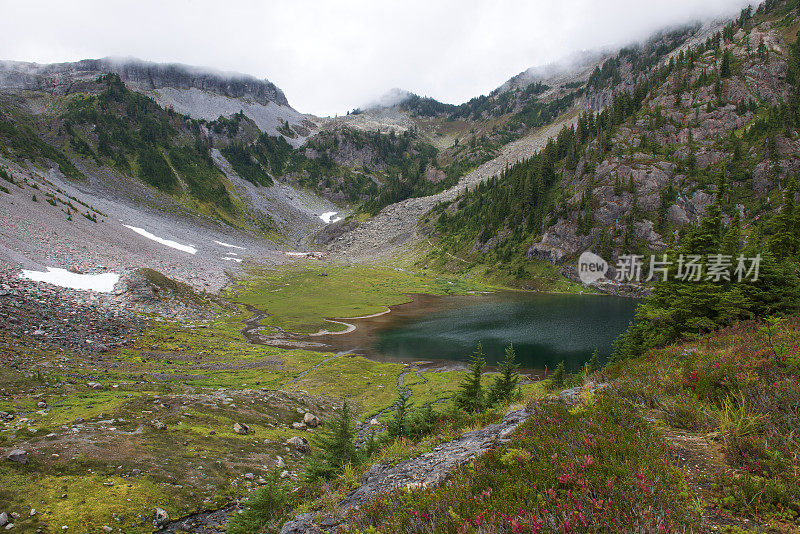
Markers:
<point>471,395</point>
<point>505,385</point>
<point>558,376</point>
<point>335,446</point>
<point>398,427</point>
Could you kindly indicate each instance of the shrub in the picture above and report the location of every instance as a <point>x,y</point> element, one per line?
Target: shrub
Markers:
<point>601,469</point>
<point>264,507</point>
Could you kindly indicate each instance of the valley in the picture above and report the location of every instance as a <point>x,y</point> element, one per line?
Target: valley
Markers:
<point>218,313</point>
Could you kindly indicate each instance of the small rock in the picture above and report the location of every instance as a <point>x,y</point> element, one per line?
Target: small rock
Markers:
<point>249,476</point>
<point>299,426</point>
<point>106,528</point>
<point>95,385</point>
<point>301,444</point>
<point>160,517</point>
<point>19,456</point>
<point>158,425</point>
<point>3,519</point>
<point>311,420</point>
<point>284,474</point>
<point>41,404</point>
<point>374,422</point>
<point>241,428</point>
<point>9,526</point>
<point>279,463</point>
<point>32,512</point>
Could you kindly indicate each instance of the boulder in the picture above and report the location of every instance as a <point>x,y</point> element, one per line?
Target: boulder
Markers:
<point>18,455</point>
<point>311,420</point>
<point>158,425</point>
<point>241,428</point>
<point>302,524</point>
<point>160,518</point>
<point>299,426</point>
<point>94,385</point>
<point>301,444</point>
<point>3,519</point>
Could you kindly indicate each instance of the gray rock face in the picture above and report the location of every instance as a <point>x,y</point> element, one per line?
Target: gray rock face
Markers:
<point>434,467</point>
<point>302,524</point>
<point>60,78</point>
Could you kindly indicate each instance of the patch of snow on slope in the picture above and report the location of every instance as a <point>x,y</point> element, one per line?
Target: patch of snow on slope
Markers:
<point>328,217</point>
<point>103,283</point>
<point>229,245</point>
<point>201,104</point>
<point>167,242</point>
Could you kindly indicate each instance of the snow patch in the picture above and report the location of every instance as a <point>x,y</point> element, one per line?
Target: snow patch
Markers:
<point>167,242</point>
<point>228,245</point>
<point>329,217</point>
<point>102,283</point>
<point>237,260</point>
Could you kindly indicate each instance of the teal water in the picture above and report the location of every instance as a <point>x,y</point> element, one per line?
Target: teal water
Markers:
<point>545,329</point>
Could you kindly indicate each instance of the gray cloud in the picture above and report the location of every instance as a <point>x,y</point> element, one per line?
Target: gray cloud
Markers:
<point>333,55</point>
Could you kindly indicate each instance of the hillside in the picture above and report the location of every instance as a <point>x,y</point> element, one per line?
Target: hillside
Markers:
<point>668,124</point>
<point>179,246</point>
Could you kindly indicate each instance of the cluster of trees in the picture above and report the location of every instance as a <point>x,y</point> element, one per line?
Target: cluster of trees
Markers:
<point>677,308</point>
<point>474,397</point>
<point>135,135</point>
<point>336,445</point>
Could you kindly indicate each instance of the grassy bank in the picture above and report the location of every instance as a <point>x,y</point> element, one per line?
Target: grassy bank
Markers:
<point>300,297</point>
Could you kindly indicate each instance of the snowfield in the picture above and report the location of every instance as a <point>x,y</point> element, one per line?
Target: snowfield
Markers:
<point>329,217</point>
<point>102,283</point>
<point>167,242</point>
<point>229,245</point>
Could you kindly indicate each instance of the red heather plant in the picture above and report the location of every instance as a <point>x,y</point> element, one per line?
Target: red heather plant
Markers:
<point>601,468</point>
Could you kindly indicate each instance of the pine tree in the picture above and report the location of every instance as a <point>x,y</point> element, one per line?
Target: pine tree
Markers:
<point>558,376</point>
<point>470,398</point>
<point>505,385</point>
<point>336,446</point>
<point>398,427</point>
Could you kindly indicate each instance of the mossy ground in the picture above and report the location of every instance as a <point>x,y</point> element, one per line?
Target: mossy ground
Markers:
<point>96,457</point>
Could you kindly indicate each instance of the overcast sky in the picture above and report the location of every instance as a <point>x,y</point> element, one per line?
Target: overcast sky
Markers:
<point>332,56</point>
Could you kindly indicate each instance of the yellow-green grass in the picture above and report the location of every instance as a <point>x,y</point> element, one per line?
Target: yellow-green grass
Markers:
<point>301,297</point>
<point>85,503</point>
<point>370,385</point>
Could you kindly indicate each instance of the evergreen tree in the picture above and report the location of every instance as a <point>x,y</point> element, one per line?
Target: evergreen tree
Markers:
<point>558,377</point>
<point>398,427</point>
<point>335,446</point>
<point>594,363</point>
<point>471,396</point>
<point>504,387</point>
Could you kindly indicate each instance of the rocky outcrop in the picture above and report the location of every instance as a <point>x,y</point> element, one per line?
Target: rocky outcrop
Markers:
<point>65,78</point>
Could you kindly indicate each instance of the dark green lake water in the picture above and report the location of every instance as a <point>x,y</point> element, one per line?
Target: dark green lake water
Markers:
<point>544,329</point>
